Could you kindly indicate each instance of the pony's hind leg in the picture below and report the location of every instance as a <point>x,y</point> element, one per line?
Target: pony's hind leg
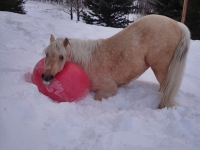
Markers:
<point>160,72</point>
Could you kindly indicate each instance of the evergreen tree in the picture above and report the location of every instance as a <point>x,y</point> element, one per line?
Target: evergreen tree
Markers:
<point>110,13</point>
<point>173,9</point>
<point>170,8</point>
<point>193,18</point>
<point>16,6</point>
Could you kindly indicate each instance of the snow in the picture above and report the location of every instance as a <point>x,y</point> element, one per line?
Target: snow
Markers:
<point>31,121</point>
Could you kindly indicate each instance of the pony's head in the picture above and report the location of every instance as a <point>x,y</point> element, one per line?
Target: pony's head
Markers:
<point>56,57</point>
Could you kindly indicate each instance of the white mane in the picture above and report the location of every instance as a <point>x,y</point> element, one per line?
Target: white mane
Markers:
<point>81,50</point>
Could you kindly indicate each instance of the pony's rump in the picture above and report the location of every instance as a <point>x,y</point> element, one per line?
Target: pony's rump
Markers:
<point>174,76</point>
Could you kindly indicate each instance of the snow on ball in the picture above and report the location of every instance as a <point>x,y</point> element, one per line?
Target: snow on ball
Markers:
<point>69,85</point>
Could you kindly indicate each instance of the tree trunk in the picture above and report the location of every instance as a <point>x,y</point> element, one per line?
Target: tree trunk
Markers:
<point>71,11</point>
<point>78,10</point>
<point>184,11</point>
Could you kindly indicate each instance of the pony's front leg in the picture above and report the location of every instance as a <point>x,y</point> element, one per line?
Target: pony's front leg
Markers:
<point>107,91</point>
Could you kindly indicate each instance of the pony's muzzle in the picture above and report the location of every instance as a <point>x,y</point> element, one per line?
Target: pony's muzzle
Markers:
<point>47,78</point>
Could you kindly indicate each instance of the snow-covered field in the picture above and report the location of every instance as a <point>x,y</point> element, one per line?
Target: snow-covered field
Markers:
<point>128,121</point>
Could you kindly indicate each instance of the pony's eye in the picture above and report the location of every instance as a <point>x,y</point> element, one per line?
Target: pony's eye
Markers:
<point>47,54</point>
<point>61,57</point>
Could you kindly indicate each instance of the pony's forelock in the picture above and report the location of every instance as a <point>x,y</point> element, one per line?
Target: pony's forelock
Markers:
<point>56,47</point>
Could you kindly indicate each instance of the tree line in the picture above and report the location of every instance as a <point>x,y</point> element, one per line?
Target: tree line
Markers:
<point>113,13</point>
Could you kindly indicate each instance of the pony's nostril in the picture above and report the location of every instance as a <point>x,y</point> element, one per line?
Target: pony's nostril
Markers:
<point>47,78</point>
<point>51,77</point>
<point>42,76</point>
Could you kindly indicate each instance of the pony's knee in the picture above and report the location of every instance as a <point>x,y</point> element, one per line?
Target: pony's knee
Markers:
<point>104,94</point>
<point>99,95</point>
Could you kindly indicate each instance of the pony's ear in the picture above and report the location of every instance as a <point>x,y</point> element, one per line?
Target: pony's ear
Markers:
<point>52,39</point>
<point>66,42</point>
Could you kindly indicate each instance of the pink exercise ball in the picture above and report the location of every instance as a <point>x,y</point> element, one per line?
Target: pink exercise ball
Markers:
<point>71,84</point>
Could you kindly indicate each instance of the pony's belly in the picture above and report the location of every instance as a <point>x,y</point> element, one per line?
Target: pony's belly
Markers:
<point>124,78</point>
<point>129,71</point>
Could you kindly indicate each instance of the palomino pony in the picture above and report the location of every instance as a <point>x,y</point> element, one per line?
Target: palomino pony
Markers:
<point>153,41</point>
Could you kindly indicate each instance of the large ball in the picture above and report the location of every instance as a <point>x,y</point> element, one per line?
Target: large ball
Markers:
<point>69,85</point>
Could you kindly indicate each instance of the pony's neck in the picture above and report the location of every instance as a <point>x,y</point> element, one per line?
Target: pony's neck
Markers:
<point>81,51</point>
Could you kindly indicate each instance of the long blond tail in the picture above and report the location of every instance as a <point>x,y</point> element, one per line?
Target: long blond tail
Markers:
<point>174,76</point>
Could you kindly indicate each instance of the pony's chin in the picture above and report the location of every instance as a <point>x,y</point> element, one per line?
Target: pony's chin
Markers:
<point>46,82</point>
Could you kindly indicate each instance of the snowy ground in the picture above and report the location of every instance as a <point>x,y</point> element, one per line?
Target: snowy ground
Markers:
<point>31,121</point>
